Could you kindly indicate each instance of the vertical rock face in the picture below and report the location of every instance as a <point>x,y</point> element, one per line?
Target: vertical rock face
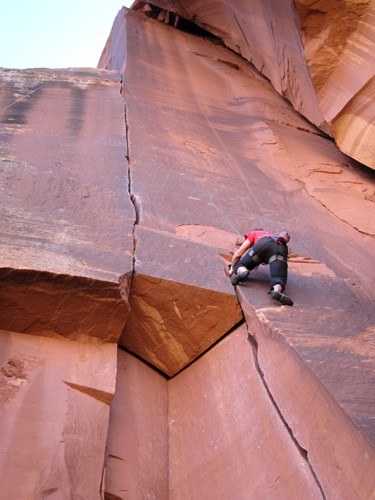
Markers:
<point>317,54</point>
<point>57,169</point>
<point>266,33</point>
<point>338,38</point>
<point>137,447</point>
<point>178,288</point>
<point>225,153</point>
<point>66,260</point>
<point>55,397</point>
<point>62,156</point>
<point>62,151</point>
<point>124,191</point>
<point>335,448</point>
<point>243,440</point>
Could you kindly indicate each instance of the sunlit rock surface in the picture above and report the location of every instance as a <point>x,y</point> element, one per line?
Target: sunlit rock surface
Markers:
<point>244,439</point>
<point>62,155</point>
<point>338,39</point>
<point>318,54</point>
<point>180,304</point>
<point>124,191</point>
<point>63,152</point>
<point>66,262</point>
<point>225,151</point>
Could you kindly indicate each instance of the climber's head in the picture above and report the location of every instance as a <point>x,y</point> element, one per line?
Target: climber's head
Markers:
<point>284,236</point>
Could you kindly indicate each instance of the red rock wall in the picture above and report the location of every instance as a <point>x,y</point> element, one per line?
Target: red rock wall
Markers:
<point>225,152</point>
<point>66,260</point>
<point>121,204</point>
<point>340,456</point>
<point>227,439</point>
<point>317,54</point>
<point>63,149</point>
<point>54,412</point>
<point>234,430</point>
<point>137,449</point>
<point>338,38</point>
<point>63,136</point>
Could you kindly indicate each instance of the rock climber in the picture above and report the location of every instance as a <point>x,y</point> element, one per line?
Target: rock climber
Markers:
<point>261,247</point>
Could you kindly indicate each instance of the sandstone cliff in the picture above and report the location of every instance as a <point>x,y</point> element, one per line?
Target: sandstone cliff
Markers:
<point>130,367</point>
<point>318,54</point>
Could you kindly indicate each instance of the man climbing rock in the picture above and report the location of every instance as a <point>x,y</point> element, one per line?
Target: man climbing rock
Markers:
<point>261,247</point>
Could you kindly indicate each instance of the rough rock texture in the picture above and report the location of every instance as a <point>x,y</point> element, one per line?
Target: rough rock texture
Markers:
<point>41,303</point>
<point>338,39</point>
<point>124,191</point>
<point>266,33</point>
<point>318,54</point>
<point>178,309</point>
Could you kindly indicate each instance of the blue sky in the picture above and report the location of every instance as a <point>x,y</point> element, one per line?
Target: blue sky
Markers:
<point>55,34</point>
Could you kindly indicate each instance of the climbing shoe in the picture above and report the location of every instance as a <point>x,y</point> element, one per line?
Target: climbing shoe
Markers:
<point>282,298</point>
<point>237,278</point>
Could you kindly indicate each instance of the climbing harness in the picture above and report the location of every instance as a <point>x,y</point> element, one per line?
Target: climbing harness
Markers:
<point>277,257</point>
<point>253,252</point>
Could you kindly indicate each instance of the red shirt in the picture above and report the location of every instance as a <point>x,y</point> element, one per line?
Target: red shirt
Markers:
<point>255,236</point>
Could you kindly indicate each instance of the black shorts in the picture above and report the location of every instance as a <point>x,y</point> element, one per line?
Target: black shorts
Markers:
<point>260,253</point>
